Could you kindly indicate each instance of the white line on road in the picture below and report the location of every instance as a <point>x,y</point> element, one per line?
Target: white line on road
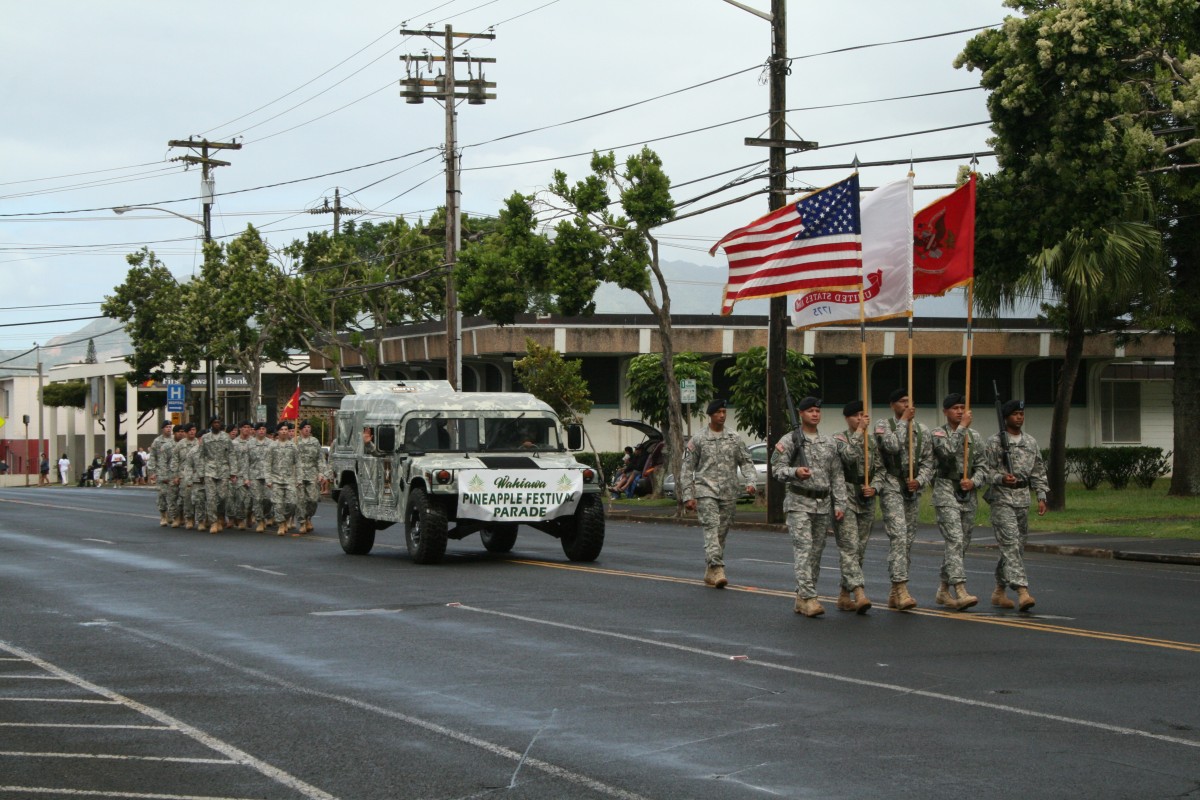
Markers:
<point>26,790</point>
<point>890,687</point>
<point>260,569</point>
<point>88,727</point>
<point>212,742</point>
<point>101,541</point>
<point>30,678</point>
<point>117,757</point>
<point>57,700</point>
<point>355,612</point>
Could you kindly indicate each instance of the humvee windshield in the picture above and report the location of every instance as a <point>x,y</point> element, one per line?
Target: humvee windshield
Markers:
<point>463,434</point>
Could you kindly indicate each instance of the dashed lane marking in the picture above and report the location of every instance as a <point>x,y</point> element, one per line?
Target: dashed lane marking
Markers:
<point>260,569</point>
<point>30,790</point>
<point>116,757</point>
<point>85,726</point>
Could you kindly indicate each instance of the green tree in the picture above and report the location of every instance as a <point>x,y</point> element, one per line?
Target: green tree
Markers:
<point>1078,89</point>
<point>238,304</point>
<point>648,392</point>
<point>153,307</point>
<point>748,395</point>
<point>604,234</point>
<point>549,377</point>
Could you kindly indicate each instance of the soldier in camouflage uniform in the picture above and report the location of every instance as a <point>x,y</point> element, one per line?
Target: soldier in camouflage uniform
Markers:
<point>192,480</point>
<point>853,530</point>
<point>258,454</point>
<point>710,487</point>
<point>155,466</point>
<point>954,497</point>
<point>309,475</point>
<point>169,462</point>
<point>215,451</point>
<point>281,477</point>
<point>899,496</point>
<point>239,492</point>
<point>1014,465</point>
<point>808,464</point>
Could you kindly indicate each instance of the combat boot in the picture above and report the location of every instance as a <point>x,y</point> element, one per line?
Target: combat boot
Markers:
<point>215,528</point>
<point>175,522</point>
<point>808,606</point>
<point>904,600</point>
<point>845,602</point>
<point>1025,600</point>
<point>162,520</point>
<point>892,597</point>
<point>943,596</point>
<point>261,527</point>
<point>964,600</point>
<point>1000,599</point>
<point>283,529</point>
<point>241,524</point>
<point>187,526</point>
<point>862,603</point>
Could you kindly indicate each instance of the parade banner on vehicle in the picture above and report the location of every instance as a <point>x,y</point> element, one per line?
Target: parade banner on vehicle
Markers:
<point>518,495</point>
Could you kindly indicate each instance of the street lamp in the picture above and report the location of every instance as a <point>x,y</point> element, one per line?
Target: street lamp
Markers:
<point>210,378</point>
<point>123,209</point>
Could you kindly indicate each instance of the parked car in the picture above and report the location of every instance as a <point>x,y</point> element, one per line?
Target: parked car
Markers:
<point>758,452</point>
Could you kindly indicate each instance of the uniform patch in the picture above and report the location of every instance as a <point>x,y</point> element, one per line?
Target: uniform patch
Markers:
<point>841,437</point>
<point>939,432</point>
<point>691,444</point>
<point>779,447</point>
<point>881,428</point>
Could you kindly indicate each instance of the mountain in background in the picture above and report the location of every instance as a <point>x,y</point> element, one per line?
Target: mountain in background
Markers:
<point>108,335</point>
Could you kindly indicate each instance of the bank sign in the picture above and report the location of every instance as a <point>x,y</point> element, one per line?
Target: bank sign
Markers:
<point>518,495</point>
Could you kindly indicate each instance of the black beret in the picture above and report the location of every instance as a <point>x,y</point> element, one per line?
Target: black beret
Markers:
<point>258,425</point>
<point>246,424</point>
<point>284,424</point>
<point>897,395</point>
<point>808,402</point>
<point>303,424</point>
<point>953,399</point>
<point>166,424</point>
<point>714,406</point>
<point>1012,406</point>
<point>852,408</point>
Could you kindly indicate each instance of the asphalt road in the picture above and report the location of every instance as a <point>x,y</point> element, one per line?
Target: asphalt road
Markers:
<point>137,661</point>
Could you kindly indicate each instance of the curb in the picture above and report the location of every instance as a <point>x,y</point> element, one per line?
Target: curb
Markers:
<point>1031,547</point>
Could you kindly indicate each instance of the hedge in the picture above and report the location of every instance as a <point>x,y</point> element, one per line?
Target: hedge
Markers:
<point>1118,465</point>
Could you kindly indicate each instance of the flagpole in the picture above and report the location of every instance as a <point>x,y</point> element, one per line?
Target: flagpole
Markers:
<point>912,423</point>
<point>967,393</point>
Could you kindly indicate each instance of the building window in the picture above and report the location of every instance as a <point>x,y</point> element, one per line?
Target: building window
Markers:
<point>984,373</point>
<point>892,373</point>
<point>1120,412</point>
<point>603,377</point>
<point>1041,383</point>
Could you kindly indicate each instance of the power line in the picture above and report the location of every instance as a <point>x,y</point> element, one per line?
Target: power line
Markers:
<point>48,321</point>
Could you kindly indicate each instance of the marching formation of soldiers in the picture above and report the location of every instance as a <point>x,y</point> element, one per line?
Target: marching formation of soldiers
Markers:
<point>833,483</point>
<point>248,478</point>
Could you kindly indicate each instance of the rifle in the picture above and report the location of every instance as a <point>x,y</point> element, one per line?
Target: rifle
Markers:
<point>801,458</point>
<point>1003,430</point>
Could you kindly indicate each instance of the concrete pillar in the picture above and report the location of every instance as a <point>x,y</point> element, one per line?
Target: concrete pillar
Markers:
<point>110,411</point>
<point>89,427</point>
<point>71,446</point>
<point>53,448</point>
<point>131,418</point>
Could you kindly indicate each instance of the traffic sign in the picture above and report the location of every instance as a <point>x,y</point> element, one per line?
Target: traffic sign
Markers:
<point>176,392</point>
<point>687,390</point>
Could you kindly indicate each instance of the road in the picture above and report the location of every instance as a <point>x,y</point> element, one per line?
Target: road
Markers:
<point>137,661</point>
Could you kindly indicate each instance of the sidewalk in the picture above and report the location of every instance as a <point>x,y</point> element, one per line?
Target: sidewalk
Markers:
<point>1162,551</point>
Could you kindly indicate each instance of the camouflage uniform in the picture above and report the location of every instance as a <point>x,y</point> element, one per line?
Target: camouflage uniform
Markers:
<point>808,502</point>
<point>956,518</point>
<point>215,451</point>
<point>281,478</point>
<point>711,462</point>
<point>239,492</point>
<point>167,463</point>
<point>155,465</point>
<point>899,511</point>
<point>854,530</point>
<point>258,454</point>
<point>1010,506</point>
<point>309,468</point>
<point>191,483</point>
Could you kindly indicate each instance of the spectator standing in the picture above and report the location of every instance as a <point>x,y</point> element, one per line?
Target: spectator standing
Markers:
<point>64,468</point>
<point>44,470</point>
<point>117,467</point>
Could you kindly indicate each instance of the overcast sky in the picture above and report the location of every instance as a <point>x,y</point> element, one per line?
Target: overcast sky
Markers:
<point>92,92</point>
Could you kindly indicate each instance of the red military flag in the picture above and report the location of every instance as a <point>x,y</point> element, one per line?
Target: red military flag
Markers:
<point>814,243</point>
<point>292,409</point>
<point>944,242</point>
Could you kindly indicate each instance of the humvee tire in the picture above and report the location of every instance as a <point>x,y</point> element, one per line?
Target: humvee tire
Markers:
<point>424,528</point>
<point>356,533</point>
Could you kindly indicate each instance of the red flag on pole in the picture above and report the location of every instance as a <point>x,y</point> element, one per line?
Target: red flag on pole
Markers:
<point>292,409</point>
<point>814,243</point>
<point>944,242</point>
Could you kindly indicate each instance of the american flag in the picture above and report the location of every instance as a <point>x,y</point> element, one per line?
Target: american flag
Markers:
<point>814,243</point>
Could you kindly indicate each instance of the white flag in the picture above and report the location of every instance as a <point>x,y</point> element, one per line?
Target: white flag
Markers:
<point>887,242</point>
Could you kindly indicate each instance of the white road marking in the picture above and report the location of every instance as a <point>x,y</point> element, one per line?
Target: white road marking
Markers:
<point>115,757</point>
<point>501,751</point>
<point>26,790</point>
<point>209,741</point>
<point>89,727</point>
<point>889,687</point>
<point>30,677</point>
<point>260,569</point>
<point>355,612</point>
<point>101,541</point>
<point>57,700</point>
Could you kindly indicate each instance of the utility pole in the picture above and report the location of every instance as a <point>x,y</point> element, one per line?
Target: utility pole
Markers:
<point>337,209</point>
<point>207,186</point>
<point>444,87</point>
<point>777,324</point>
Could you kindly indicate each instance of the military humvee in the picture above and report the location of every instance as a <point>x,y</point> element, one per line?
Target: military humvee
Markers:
<point>447,464</point>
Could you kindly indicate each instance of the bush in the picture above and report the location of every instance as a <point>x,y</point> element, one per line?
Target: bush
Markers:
<point>1119,464</point>
<point>1084,462</point>
<point>1152,464</point>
